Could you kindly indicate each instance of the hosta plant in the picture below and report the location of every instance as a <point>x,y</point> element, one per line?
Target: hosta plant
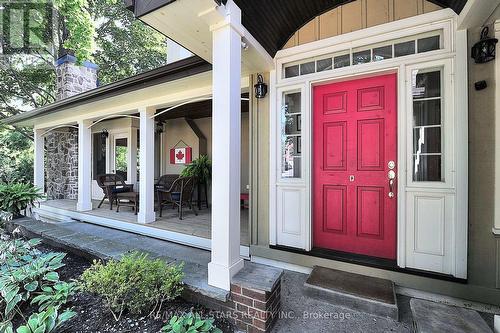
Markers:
<point>55,295</point>
<point>190,323</point>
<point>46,321</point>
<point>16,198</point>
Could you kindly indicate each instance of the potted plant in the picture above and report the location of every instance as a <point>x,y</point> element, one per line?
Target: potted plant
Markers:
<point>16,198</point>
<point>201,168</point>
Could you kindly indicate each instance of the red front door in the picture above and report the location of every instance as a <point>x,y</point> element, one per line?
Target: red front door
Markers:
<point>354,140</point>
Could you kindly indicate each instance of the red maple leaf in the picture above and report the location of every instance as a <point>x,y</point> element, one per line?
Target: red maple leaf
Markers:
<point>179,155</point>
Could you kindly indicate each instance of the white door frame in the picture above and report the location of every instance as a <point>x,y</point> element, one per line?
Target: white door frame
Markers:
<point>453,48</point>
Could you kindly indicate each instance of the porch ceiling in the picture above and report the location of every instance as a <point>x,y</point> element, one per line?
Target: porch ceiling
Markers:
<point>271,22</point>
<point>196,110</point>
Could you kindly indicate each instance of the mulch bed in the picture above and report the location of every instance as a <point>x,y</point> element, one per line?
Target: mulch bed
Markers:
<point>93,316</point>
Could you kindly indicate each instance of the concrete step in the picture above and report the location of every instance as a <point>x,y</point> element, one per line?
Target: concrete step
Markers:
<point>357,292</point>
<point>47,216</point>
<point>431,317</point>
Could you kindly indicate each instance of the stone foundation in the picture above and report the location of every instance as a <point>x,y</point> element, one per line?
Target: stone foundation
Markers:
<point>61,164</point>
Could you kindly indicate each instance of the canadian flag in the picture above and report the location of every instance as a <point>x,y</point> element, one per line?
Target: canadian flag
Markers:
<point>180,155</point>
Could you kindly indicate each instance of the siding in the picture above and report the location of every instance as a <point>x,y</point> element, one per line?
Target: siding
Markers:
<point>357,15</point>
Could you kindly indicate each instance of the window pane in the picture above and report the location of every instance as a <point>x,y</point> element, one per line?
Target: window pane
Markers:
<point>342,61</point>
<point>293,124</point>
<point>292,103</point>
<point>291,71</point>
<point>324,65</point>
<point>121,148</point>
<point>361,57</point>
<point>307,68</point>
<point>427,112</point>
<point>403,49</point>
<point>428,44</point>
<point>427,85</point>
<point>427,168</point>
<point>427,140</point>
<point>381,53</point>
<point>291,140</point>
<point>99,156</point>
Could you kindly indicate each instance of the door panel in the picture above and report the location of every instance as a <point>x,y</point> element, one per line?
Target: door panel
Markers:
<point>355,136</point>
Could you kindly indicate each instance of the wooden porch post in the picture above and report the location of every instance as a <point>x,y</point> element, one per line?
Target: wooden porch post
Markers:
<point>84,166</point>
<point>147,170</point>
<point>226,149</point>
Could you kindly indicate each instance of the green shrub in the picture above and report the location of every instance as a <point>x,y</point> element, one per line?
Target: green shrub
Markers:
<point>190,323</point>
<point>134,283</point>
<point>14,198</point>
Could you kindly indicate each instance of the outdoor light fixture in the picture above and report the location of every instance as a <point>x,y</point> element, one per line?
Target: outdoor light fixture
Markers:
<point>260,87</point>
<point>159,128</point>
<point>104,134</point>
<point>484,50</point>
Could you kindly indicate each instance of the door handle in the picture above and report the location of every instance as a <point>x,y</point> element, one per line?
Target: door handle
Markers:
<point>391,175</point>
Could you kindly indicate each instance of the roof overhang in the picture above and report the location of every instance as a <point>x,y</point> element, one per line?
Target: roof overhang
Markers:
<point>271,23</point>
<point>184,75</point>
<point>189,23</point>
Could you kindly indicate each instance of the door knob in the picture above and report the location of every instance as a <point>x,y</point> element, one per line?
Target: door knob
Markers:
<point>391,175</point>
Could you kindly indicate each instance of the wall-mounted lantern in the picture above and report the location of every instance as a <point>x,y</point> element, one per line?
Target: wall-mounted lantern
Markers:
<point>159,128</point>
<point>484,50</point>
<point>104,134</point>
<point>260,87</point>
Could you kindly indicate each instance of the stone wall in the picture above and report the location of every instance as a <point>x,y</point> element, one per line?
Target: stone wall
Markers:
<point>61,164</point>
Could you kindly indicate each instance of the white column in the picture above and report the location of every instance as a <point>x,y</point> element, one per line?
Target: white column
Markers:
<point>39,160</point>
<point>146,163</point>
<point>132,157</point>
<point>84,166</point>
<point>226,150</point>
<point>175,52</point>
<point>496,225</point>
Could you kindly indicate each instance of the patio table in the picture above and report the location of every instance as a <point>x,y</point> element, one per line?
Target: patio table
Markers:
<point>127,199</point>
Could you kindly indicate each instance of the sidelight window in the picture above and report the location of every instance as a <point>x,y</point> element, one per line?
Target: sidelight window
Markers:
<point>427,125</point>
<point>291,134</point>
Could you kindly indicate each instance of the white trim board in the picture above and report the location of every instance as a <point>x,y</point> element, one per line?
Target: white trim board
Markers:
<point>145,230</point>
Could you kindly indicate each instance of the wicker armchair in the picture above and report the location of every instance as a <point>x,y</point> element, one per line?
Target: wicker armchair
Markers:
<point>179,194</point>
<point>112,184</point>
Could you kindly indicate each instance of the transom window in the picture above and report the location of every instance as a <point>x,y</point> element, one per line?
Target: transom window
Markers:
<point>372,53</point>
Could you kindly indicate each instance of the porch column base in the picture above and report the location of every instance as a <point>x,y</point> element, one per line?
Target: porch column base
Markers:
<point>220,275</point>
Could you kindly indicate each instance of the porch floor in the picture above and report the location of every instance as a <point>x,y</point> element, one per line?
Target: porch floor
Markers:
<point>199,226</point>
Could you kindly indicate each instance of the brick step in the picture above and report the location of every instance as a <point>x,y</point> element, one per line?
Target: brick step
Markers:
<point>431,317</point>
<point>354,291</point>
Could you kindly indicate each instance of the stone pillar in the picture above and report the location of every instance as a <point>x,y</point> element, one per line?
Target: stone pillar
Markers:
<point>147,163</point>
<point>226,149</point>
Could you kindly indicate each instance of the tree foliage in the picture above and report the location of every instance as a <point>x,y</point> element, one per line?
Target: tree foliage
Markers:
<point>102,31</point>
